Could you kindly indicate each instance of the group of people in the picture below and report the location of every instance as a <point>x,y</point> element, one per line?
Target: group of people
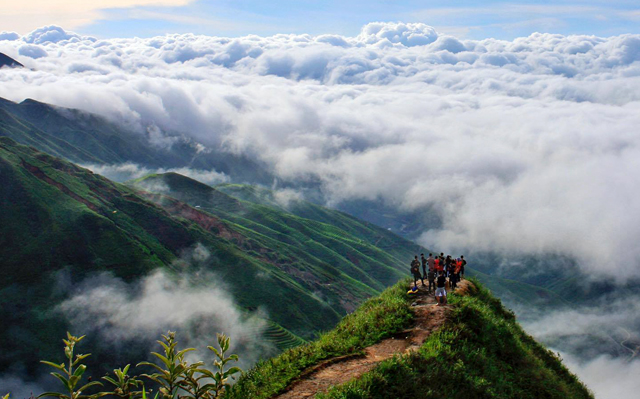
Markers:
<point>436,270</point>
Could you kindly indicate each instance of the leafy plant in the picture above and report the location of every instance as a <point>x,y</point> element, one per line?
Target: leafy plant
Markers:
<point>169,378</point>
<point>192,382</point>
<point>124,385</point>
<point>71,373</point>
<point>144,393</point>
<point>220,377</point>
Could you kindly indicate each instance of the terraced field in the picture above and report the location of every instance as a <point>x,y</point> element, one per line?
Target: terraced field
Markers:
<point>281,338</point>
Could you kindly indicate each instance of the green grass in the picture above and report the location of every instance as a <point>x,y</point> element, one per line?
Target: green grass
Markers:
<point>341,266</point>
<point>60,221</point>
<point>481,352</point>
<point>376,319</point>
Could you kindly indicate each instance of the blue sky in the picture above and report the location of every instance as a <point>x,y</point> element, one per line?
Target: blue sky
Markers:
<point>469,19</point>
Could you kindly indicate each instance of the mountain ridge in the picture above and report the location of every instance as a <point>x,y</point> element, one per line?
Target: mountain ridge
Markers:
<point>6,61</point>
<point>471,348</point>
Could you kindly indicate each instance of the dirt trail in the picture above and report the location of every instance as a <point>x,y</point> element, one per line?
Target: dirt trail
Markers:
<point>321,377</point>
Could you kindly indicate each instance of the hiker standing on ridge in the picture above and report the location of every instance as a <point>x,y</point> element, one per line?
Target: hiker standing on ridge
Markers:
<point>424,266</point>
<point>431,277</point>
<point>415,270</point>
<point>455,275</point>
<point>447,266</point>
<point>441,292</point>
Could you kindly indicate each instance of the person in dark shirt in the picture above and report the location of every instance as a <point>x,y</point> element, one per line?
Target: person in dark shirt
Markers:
<point>424,266</point>
<point>415,270</point>
<point>441,292</point>
<point>454,277</point>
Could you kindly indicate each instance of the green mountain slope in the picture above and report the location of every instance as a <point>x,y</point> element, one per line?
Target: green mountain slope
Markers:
<point>86,138</point>
<point>366,253</point>
<point>480,351</point>
<point>56,217</point>
<point>380,237</point>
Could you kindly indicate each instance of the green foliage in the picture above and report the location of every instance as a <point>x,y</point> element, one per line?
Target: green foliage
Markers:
<point>123,385</point>
<point>70,374</point>
<point>374,320</point>
<point>174,375</point>
<point>221,376</point>
<point>144,393</point>
<point>170,377</point>
<point>481,352</point>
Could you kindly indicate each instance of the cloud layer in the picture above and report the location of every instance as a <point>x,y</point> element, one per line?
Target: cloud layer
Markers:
<point>609,378</point>
<point>195,304</point>
<point>127,171</point>
<point>524,146</point>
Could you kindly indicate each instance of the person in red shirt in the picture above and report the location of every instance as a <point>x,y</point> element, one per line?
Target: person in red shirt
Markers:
<point>431,277</point>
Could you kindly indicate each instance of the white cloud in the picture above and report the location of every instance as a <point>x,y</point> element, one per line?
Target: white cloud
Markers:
<point>120,312</point>
<point>128,171</point>
<point>52,34</point>
<point>384,34</point>
<point>9,36</point>
<point>526,145</point>
<point>32,51</point>
<point>608,378</point>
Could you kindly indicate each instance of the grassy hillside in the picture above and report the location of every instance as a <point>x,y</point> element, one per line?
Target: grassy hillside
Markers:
<point>59,221</point>
<point>382,238</point>
<point>377,318</point>
<point>367,254</point>
<point>479,352</point>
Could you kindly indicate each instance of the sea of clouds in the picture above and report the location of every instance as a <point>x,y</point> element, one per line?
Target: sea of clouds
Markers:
<point>527,146</point>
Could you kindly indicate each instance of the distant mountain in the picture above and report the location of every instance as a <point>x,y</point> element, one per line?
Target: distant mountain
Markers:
<point>6,61</point>
<point>56,217</point>
<point>365,252</point>
<point>87,138</point>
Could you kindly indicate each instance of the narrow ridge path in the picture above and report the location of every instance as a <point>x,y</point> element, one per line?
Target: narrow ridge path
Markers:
<point>319,378</point>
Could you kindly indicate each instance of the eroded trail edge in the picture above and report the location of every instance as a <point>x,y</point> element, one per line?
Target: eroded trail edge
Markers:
<point>428,318</point>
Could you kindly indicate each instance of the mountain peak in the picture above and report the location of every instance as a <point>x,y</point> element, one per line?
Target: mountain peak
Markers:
<point>6,61</point>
